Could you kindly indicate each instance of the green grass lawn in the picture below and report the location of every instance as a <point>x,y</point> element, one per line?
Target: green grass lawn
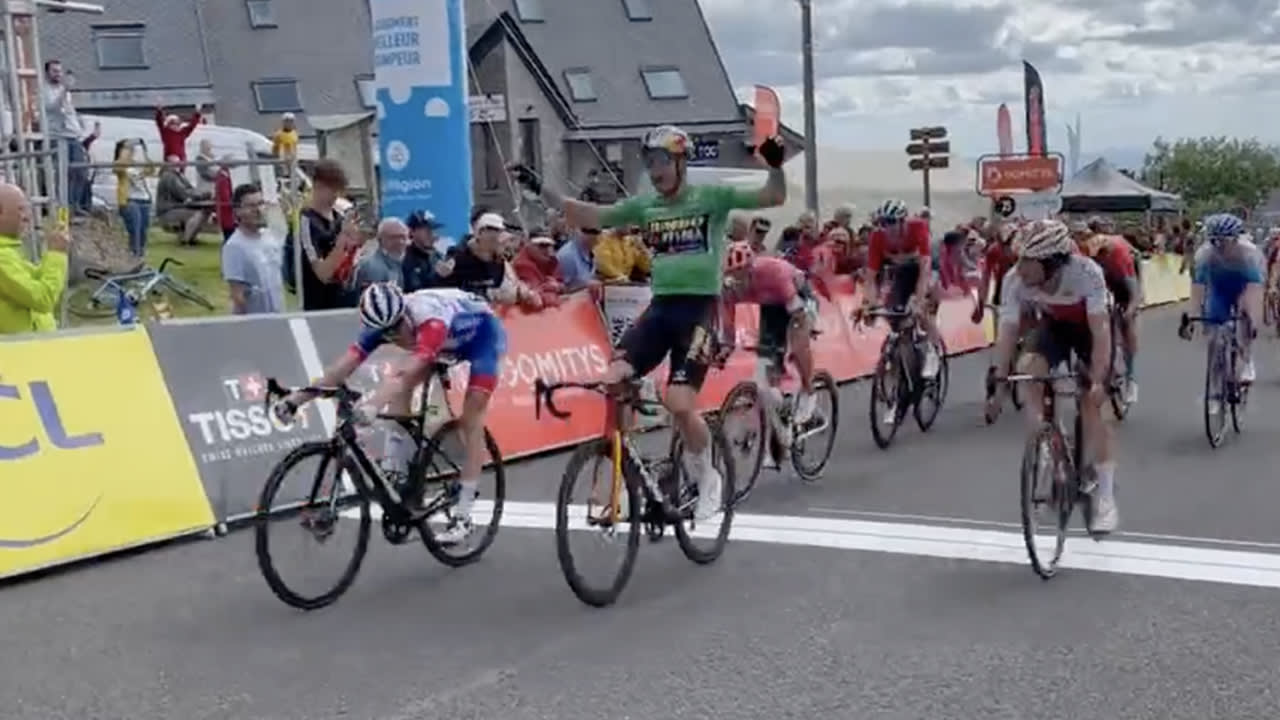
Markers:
<point>200,269</point>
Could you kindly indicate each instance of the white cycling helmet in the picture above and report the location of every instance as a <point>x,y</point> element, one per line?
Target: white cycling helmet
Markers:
<point>1046,238</point>
<point>381,306</point>
<point>892,211</point>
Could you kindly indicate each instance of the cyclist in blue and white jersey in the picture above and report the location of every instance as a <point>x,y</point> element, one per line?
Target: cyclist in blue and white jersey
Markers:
<point>1228,273</point>
<point>427,323</point>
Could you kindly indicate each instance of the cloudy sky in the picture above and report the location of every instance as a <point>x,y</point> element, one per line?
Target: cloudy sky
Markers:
<point>1132,69</point>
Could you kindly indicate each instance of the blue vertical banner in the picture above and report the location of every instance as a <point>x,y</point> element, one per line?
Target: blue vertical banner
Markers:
<point>424,133</point>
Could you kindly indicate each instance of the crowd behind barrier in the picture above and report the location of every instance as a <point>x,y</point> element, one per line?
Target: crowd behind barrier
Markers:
<point>119,437</point>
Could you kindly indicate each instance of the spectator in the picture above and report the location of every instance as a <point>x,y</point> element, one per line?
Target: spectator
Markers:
<point>206,168</point>
<point>577,259</point>
<point>386,264</point>
<point>251,257</point>
<point>223,203</point>
<point>536,267</point>
<point>760,227</point>
<point>843,218</point>
<point>421,258</point>
<point>738,228</point>
<point>28,292</point>
<point>284,142</point>
<point>848,259</point>
<point>179,206</point>
<point>174,132</point>
<point>796,235</point>
<point>621,258</point>
<point>65,127</point>
<point>478,266</point>
<point>558,230</point>
<point>133,197</point>
<point>329,243</point>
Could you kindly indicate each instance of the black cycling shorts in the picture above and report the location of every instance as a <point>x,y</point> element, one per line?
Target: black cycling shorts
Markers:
<point>903,281</point>
<point>1055,341</point>
<point>775,327</point>
<point>681,327</point>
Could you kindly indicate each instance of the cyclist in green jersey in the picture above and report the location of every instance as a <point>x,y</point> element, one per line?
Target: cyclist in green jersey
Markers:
<point>684,227</point>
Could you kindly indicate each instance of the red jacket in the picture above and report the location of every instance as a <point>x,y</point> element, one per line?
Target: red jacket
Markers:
<point>174,140</point>
<point>539,275</point>
<point>222,199</point>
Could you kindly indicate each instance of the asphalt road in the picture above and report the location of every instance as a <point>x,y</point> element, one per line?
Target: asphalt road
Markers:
<point>792,624</point>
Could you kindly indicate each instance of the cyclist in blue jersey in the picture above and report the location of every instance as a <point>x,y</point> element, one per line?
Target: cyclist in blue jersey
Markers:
<point>427,323</point>
<point>1228,273</point>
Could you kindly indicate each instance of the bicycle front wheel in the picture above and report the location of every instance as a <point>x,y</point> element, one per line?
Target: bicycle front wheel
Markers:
<point>320,514</point>
<point>622,529</point>
<point>818,435</point>
<point>1118,384</point>
<point>887,396</point>
<point>1215,393</point>
<point>742,415</point>
<point>933,392</point>
<point>1044,492</point>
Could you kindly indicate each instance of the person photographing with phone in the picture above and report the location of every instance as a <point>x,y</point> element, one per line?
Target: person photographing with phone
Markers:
<point>329,242</point>
<point>29,291</point>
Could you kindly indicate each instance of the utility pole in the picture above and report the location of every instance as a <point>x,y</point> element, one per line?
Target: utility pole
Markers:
<point>928,150</point>
<point>810,114</point>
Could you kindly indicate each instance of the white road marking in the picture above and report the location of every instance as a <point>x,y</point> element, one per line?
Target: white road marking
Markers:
<point>1169,560</point>
<point>945,519</point>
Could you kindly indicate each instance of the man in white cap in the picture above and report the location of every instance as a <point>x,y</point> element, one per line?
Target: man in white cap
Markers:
<point>478,266</point>
<point>284,143</point>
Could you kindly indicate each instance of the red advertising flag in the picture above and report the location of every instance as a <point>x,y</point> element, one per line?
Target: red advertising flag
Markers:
<point>1033,91</point>
<point>1004,130</point>
<point>768,115</point>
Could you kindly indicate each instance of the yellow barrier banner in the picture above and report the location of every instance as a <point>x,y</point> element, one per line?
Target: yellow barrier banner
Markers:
<point>92,458</point>
<point>1161,281</point>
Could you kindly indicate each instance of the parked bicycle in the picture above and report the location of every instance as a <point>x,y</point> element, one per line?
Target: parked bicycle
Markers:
<point>774,428</point>
<point>404,502</point>
<point>898,384</point>
<point>120,294</point>
<point>1053,474</point>
<point>1224,393</point>
<point>639,490</point>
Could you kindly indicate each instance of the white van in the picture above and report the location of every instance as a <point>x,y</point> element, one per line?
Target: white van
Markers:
<point>238,143</point>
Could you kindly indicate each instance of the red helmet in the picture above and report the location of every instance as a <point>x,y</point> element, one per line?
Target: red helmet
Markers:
<point>739,256</point>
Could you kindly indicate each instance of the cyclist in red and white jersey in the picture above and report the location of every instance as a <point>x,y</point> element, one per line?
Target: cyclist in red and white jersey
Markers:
<point>1061,296</point>
<point>901,244</point>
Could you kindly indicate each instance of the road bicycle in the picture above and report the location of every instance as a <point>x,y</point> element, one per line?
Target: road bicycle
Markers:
<point>641,491</point>
<point>1224,393</point>
<point>120,294</point>
<point>1051,451</point>
<point>347,482</point>
<point>898,383</point>
<point>774,429</point>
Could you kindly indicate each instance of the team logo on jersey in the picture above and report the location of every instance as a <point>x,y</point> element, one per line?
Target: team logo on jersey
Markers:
<point>679,236</point>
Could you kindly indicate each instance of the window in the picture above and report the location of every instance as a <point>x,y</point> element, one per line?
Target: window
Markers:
<point>364,86</point>
<point>120,46</point>
<point>486,157</point>
<point>277,95</point>
<point>581,88</point>
<point>262,14</point>
<point>664,83</point>
<point>530,11</point>
<point>638,9</point>
<point>530,148</point>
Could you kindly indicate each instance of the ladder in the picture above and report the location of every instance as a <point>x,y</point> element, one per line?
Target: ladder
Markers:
<point>38,166</point>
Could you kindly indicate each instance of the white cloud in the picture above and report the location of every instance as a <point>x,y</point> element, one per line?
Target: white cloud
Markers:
<point>1132,70</point>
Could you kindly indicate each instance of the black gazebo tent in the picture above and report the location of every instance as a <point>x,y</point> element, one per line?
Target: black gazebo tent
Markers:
<point>1101,188</point>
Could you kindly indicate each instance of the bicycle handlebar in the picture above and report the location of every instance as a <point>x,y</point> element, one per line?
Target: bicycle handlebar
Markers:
<point>544,392</point>
<point>167,262</point>
<point>343,394</point>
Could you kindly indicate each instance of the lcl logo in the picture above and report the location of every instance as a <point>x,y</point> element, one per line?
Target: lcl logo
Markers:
<point>40,396</point>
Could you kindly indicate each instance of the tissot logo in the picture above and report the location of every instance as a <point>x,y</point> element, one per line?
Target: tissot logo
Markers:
<point>242,426</point>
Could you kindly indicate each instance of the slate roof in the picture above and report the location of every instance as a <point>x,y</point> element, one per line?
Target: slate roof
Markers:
<point>171,43</point>
<point>599,35</point>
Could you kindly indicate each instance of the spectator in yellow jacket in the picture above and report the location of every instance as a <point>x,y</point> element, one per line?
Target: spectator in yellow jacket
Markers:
<point>621,257</point>
<point>29,291</point>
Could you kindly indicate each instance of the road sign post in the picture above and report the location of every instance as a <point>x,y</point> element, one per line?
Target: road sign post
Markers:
<point>929,149</point>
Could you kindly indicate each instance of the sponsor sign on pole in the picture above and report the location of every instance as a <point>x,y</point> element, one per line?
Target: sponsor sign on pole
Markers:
<point>999,175</point>
<point>217,375</point>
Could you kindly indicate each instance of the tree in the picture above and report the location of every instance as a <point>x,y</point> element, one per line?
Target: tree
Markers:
<point>1214,173</point>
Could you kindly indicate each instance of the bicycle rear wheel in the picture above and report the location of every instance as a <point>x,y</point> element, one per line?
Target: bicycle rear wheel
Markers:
<point>1044,486</point>
<point>1118,383</point>
<point>320,514</point>
<point>687,531</point>
<point>80,302</point>
<point>933,392</point>
<point>475,545</point>
<point>744,405</point>
<point>1215,393</point>
<point>586,457</point>
<point>812,435</point>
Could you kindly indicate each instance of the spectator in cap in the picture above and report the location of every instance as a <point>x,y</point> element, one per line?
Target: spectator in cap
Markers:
<point>174,132</point>
<point>760,227</point>
<point>421,258</point>
<point>577,259</point>
<point>284,142</point>
<point>477,266</point>
<point>536,266</point>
